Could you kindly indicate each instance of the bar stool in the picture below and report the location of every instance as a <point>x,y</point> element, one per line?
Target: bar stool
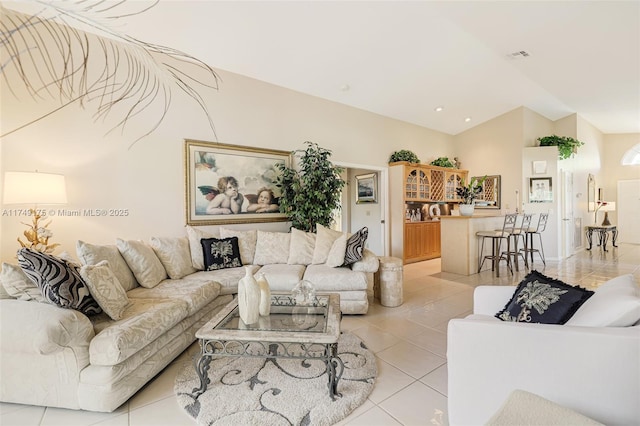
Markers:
<point>496,241</point>
<point>528,248</point>
<point>515,236</point>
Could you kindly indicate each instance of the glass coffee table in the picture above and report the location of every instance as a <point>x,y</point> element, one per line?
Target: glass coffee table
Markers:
<point>290,331</point>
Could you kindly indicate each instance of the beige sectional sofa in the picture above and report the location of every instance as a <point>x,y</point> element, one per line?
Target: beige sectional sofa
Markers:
<point>58,357</point>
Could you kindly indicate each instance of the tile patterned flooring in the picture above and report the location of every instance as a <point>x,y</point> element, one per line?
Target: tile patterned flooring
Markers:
<point>409,341</point>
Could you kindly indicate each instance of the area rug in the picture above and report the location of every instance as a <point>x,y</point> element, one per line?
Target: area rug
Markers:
<point>278,391</point>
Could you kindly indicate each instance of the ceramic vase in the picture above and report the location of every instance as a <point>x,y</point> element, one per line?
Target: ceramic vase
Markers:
<point>265,295</point>
<point>466,209</point>
<point>249,298</point>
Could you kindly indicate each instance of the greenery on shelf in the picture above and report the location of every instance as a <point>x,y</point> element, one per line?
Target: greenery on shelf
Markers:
<point>404,155</point>
<point>443,162</point>
<point>470,192</point>
<point>566,145</point>
<point>311,195</point>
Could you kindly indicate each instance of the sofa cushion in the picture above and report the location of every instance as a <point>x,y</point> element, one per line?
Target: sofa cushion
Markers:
<point>227,278</point>
<point>326,278</point>
<point>324,241</point>
<point>220,253</point>
<point>282,277</point>
<point>195,293</point>
<point>142,261</point>
<point>174,254</point>
<point>18,285</point>
<point>355,246</point>
<point>195,247</point>
<point>105,288</point>
<point>544,300</point>
<point>301,247</point>
<point>142,322</point>
<point>272,247</point>
<point>59,282</point>
<point>246,242</point>
<point>335,257</point>
<point>615,303</point>
<point>91,254</point>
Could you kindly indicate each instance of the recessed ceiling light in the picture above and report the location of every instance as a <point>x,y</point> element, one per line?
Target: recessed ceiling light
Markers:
<point>467,119</point>
<point>438,108</point>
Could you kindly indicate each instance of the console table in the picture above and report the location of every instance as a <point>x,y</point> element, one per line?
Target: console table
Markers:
<point>603,235</point>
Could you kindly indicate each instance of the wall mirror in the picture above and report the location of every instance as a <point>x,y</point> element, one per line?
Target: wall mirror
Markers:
<point>591,193</point>
<point>489,198</point>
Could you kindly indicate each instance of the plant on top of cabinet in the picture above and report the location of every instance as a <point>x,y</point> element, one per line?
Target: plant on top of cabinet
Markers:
<point>566,145</point>
<point>443,162</point>
<point>404,155</point>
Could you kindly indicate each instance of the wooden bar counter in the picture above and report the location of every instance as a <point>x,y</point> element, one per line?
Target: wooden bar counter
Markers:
<point>459,249</point>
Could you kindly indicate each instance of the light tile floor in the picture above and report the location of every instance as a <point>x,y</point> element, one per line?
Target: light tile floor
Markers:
<point>409,341</point>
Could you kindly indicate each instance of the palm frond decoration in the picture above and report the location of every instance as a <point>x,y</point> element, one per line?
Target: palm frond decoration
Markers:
<point>539,296</point>
<point>70,50</point>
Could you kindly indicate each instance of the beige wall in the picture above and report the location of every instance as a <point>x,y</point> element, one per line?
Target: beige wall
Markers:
<point>615,147</point>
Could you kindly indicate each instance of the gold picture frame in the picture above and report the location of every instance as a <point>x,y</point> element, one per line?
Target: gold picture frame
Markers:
<point>252,171</point>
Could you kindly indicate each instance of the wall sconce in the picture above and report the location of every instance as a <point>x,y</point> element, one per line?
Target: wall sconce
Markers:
<point>33,188</point>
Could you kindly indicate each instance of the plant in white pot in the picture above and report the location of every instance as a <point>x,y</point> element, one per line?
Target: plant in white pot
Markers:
<point>468,193</point>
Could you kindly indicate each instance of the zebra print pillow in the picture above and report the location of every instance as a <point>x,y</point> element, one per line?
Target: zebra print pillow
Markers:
<point>59,282</point>
<point>355,246</point>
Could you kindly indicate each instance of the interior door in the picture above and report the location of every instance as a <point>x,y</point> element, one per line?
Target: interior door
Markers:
<point>628,205</point>
<point>566,200</point>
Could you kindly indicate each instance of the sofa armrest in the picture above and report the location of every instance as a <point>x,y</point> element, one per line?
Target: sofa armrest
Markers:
<point>41,328</point>
<point>591,370</point>
<point>490,299</point>
<point>368,263</point>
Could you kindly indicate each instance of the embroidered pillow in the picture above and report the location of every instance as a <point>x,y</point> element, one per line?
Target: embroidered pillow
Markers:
<point>544,300</point>
<point>272,248</point>
<point>18,285</point>
<point>324,241</point>
<point>59,282</point>
<point>105,289</point>
<point>174,255</point>
<point>301,247</point>
<point>221,253</point>
<point>246,242</point>
<point>143,262</point>
<point>355,246</point>
<point>91,254</point>
<point>195,235</point>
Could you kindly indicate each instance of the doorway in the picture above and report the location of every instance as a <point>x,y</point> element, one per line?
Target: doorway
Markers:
<point>628,206</point>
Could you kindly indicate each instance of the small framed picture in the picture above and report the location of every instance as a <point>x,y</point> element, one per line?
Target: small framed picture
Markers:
<point>539,167</point>
<point>540,190</point>
<point>367,188</point>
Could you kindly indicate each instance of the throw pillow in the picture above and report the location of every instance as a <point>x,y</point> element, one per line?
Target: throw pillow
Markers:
<point>59,282</point>
<point>325,238</point>
<point>544,300</point>
<point>18,285</point>
<point>335,257</point>
<point>91,254</point>
<point>143,262</point>
<point>246,241</point>
<point>301,247</point>
<point>105,289</point>
<point>615,303</point>
<point>355,246</point>
<point>174,255</point>
<point>195,235</point>
<point>221,253</point>
<point>272,248</point>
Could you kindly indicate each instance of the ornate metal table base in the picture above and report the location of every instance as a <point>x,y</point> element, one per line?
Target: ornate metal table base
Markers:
<point>603,235</point>
<point>328,353</point>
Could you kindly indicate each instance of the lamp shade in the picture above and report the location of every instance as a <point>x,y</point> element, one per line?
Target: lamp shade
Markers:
<point>34,188</point>
<point>609,206</point>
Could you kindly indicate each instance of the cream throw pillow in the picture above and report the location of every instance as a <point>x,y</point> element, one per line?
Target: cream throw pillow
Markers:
<point>272,247</point>
<point>175,255</point>
<point>324,241</point>
<point>105,289</point>
<point>335,257</point>
<point>301,247</point>
<point>143,262</point>
<point>91,254</point>
<point>246,243</point>
<point>195,247</point>
<point>18,285</point>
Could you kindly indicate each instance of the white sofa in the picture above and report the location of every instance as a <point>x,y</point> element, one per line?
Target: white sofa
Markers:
<point>590,365</point>
<point>58,357</point>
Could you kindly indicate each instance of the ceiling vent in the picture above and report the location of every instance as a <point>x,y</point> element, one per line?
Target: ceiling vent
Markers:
<point>519,54</point>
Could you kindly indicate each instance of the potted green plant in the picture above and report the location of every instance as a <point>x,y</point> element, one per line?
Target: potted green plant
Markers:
<point>566,145</point>
<point>404,155</point>
<point>443,162</point>
<point>468,193</point>
<point>312,194</point>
